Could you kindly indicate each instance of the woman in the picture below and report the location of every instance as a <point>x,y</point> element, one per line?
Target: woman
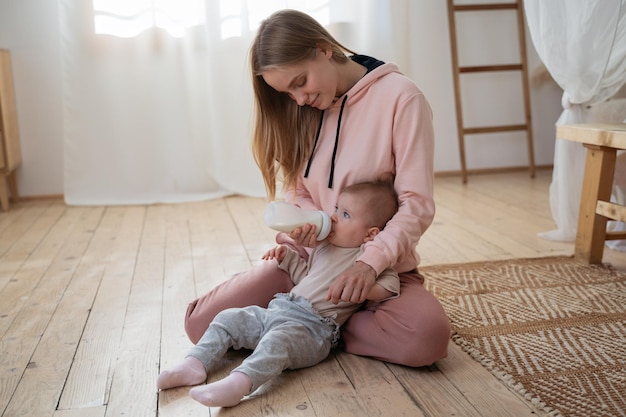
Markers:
<point>325,120</point>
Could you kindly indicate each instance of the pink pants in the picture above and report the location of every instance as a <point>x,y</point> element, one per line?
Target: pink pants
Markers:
<point>412,329</point>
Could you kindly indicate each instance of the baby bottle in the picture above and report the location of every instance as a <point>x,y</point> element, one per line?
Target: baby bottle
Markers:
<point>285,217</point>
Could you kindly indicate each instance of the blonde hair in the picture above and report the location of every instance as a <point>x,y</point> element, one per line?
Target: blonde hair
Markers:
<point>283,131</point>
<point>379,196</point>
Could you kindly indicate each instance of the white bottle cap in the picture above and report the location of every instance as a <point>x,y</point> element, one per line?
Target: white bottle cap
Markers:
<point>326,226</point>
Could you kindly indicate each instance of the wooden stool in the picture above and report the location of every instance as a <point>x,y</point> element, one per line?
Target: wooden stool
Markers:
<point>602,142</point>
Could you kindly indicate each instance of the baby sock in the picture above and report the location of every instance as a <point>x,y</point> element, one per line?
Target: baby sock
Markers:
<point>226,392</point>
<point>189,371</point>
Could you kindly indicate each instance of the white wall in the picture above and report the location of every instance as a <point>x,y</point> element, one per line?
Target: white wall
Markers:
<point>431,68</point>
<point>30,30</point>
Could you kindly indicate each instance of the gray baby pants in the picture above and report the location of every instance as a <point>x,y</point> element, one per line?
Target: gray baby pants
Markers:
<point>289,334</point>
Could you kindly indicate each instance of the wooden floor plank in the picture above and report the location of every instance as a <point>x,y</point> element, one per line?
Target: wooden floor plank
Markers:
<point>440,398</point>
<point>90,377</point>
<point>133,390</point>
<point>330,391</point>
<point>50,324</point>
<point>483,391</point>
<point>15,222</point>
<point>377,386</point>
<point>179,289</point>
<point>216,245</point>
<point>478,215</point>
<point>256,237</point>
<point>455,243</point>
<point>23,238</point>
<point>23,319</point>
<point>82,412</point>
<point>93,301</point>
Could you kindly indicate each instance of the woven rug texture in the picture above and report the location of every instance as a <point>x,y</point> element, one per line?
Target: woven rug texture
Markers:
<point>553,329</point>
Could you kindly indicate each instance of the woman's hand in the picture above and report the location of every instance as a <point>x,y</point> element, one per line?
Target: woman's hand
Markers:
<point>353,284</point>
<point>305,236</point>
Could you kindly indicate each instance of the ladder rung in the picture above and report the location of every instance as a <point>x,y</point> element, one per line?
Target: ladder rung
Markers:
<point>477,7</point>
<point>486,68</point>
<point>493,129</point>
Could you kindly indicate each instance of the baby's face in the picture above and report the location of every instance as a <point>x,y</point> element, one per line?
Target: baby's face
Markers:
<point>349,229</point>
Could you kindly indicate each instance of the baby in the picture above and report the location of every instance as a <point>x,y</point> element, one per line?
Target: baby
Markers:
<point>300,328</point>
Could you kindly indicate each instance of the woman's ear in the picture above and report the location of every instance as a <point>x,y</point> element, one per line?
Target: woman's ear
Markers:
<point>325,49</point>
<point>371,234</point>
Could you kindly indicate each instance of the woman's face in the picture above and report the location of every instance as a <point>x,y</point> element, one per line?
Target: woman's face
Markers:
<point>311,82</point>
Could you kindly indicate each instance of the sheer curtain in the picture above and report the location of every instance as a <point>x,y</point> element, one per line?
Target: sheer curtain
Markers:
<point>161,111</point>
<point>583,45</point>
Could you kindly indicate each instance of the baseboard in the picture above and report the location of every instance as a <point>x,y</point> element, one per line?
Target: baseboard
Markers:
<point>37,197</point>
<point>458,173</point>
<point>482,171</point>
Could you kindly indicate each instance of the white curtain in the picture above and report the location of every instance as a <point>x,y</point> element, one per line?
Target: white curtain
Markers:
<point>164,114</point>
<point>582,43</point>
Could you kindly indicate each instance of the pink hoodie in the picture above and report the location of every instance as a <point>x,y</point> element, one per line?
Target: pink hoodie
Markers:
<point>385,126</point>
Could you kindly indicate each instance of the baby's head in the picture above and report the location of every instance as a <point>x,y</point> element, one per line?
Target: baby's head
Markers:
<point>362,211</point>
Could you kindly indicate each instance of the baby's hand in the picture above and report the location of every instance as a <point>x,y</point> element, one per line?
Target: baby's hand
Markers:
<point>277,253</point>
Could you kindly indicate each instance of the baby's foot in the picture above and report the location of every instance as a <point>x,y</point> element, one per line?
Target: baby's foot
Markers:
<point>226,392</point>
<point>189,371</point>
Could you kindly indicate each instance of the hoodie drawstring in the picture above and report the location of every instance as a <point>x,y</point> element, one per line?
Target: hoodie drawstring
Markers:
<point>319,129</point>
<point>317,136</point>
<point>332,163</point>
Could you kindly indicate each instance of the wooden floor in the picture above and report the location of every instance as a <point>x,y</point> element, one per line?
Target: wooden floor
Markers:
<point>92,301</point>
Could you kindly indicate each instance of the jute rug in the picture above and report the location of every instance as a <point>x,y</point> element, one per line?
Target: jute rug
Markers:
<point>553,329</point>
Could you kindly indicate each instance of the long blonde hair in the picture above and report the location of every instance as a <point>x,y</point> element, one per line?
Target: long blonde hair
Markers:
<point>283,131</point>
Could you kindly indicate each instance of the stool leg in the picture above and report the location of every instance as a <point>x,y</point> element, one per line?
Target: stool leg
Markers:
<point>4,193</point>
<point>597,184</point>
<point>12,178</point>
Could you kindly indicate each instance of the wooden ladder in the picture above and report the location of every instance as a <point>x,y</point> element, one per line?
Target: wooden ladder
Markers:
<point>520,67</point>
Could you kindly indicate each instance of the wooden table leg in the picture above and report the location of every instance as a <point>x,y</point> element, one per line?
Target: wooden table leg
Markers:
<point>597,184</point>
